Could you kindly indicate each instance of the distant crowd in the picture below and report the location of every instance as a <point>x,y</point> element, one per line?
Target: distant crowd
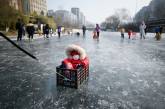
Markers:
<point>142,30</point>
<point>30,30</point>
<point>47,31</point>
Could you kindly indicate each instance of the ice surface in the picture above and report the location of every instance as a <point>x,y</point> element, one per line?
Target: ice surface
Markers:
<point>127,74</point>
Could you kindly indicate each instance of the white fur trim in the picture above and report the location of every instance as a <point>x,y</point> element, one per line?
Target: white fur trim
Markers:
<point>77,48</point>
<point>30,24</point>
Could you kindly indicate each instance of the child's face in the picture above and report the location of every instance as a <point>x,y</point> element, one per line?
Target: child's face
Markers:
<point>76,57</point>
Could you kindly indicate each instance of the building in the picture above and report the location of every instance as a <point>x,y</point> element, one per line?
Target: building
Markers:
<point>38,6</point>
<point>50,12</point>
<point>24,6</point>
<point>14,3</point>
<point>81,19</point>
<point>30,6</point>
<point>75,18</point>
<point>64,17</point>
<point>80,16</point>
<point>75,11</point>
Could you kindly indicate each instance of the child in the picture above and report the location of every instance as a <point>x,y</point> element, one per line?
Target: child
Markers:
<point>76,57</point>
<point>94,34</point>
<point>129,33</point>
<point>133,35</point>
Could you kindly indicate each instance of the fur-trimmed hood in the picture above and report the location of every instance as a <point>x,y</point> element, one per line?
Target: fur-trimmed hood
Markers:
<point>76,48</point>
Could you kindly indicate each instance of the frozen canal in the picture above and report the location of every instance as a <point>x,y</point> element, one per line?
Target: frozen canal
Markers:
<point>124,74</point>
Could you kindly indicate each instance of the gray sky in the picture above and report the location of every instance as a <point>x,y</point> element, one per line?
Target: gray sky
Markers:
<point>97,10</point>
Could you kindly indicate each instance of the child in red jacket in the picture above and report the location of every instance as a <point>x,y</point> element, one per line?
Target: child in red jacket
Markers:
<point>76,57</point>
<point>129,34</point>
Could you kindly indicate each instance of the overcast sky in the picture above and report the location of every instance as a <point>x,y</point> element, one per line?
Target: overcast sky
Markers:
<point>97,10</point>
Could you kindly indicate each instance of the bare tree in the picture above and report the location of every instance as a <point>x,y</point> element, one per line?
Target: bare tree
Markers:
<point>120,16</point>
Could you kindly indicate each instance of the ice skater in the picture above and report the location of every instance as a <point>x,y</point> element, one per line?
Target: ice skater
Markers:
<point>142,28</point>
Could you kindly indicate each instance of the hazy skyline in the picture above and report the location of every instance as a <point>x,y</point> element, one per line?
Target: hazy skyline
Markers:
<point>97,10</point>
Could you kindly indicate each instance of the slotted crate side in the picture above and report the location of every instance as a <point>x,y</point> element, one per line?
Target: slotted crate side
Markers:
<point>76,77</point>
<point>87,72</point>
<point>69,74</point>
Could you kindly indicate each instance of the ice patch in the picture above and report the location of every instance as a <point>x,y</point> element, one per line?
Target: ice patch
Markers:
<point>108,88</point>
<point>37,89</point>
<point>146,85</point>
<point>92,106</point>
<point>157,82</point>
<point>131,81</point>
<point>118,84</point>
<point>154,59</point>
<point>140,80</point>
<point>128,68</point>
<point>112,106</point>
<point>134,75</point>
<point>56,103</point>
<point>103,102</point>
<point>125,93</point>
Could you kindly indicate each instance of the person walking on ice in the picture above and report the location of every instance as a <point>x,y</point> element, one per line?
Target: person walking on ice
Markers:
<point>97,29</point>
<point>19,27</point>
<point>59,31</point>
<point>142,28</point>
<point>84,30</point>
<point>30,30</point>
<point>122,32</point>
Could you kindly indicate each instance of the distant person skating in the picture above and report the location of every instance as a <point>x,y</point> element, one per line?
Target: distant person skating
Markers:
<point>158,31</point>
<point>161,29</point>
<point>30,30</point>
<point>94,34</point>
<point>129,34</point>
<point>59,31</point>
<point>23,30</point>
<point>84,30</point>
<point>43,30</point>
<point>47,30</point>
<point>122,32</point>
<point>19,27</point>
<point>142,28</point>
<point>97,29</point>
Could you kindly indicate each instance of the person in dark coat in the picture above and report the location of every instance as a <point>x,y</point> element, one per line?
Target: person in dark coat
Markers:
<point>161,29</point>
<point>97,29</point>
<point>47,30</point>
<point>59,31</point>
<point>30,30</point>
<point>44,30</point>
<point>19,27</point>
<point>84,30</point>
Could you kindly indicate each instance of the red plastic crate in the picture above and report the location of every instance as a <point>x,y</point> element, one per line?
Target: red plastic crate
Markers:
<point>71,78</point>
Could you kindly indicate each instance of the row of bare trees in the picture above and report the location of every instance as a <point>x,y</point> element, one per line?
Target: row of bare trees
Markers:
<point>120,17</point>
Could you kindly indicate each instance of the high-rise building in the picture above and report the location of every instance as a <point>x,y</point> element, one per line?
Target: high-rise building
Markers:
<point>30,6</point>
<point>64,17</point>
<point>38,6</point>
<point>14,3</point>
<point>75,11</point>
<point>80,16</point>
<point>25,6</point>
<point>50,12</point>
